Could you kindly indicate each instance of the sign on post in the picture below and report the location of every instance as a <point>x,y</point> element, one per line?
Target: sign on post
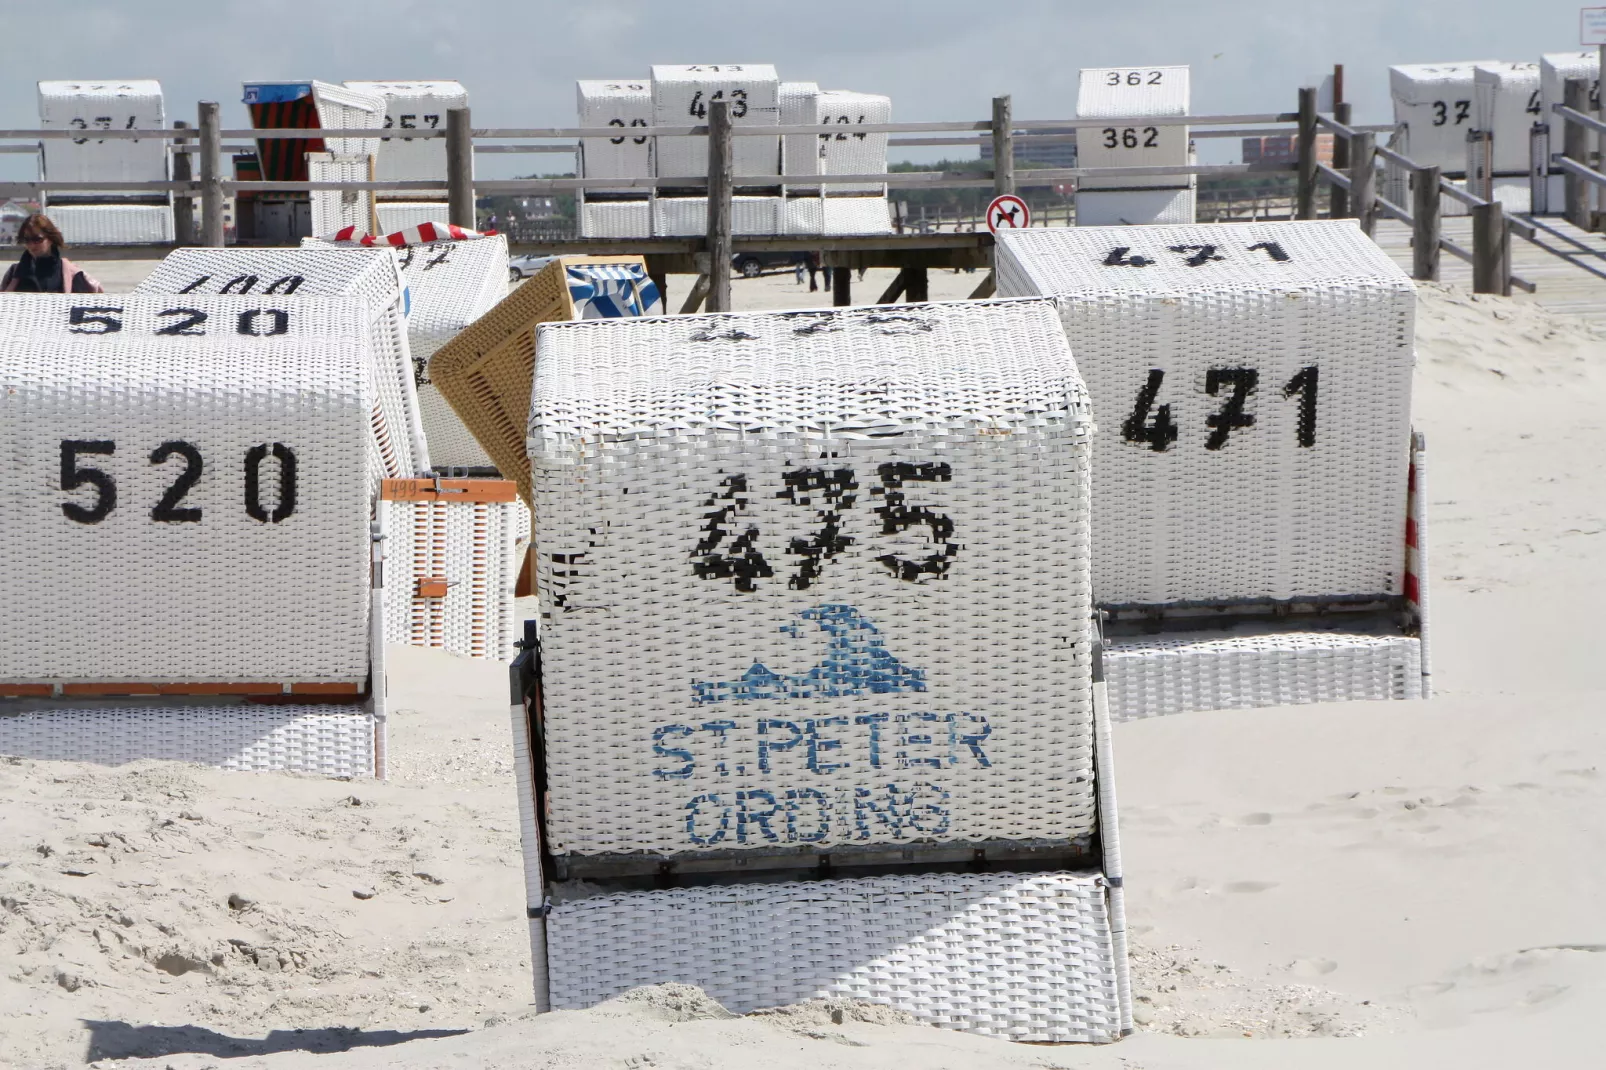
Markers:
<point>1592,26</point>
<point>1008,212</point>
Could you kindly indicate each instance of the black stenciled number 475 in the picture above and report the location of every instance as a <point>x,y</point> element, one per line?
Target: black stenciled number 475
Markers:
<point>728,548</point>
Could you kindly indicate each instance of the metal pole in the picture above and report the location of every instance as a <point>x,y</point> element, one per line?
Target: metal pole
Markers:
<point>1363,179</point>
<point>211,179</point>
<point>1338,204</point>
<point>183,203</point>
<point>1575,146</point>
<point>721,183</point>
<point>1306,200</point>
<point>1488,229</point>
<point>1003,147</point>
<point>459,168</point>
<point>1425,228</point>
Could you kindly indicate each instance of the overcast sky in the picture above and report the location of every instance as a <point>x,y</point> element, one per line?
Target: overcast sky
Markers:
<point>937,59</point>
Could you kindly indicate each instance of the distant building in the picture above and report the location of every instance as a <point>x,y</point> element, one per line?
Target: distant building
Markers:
<point>1043,154</point>
<point>1281,148</point>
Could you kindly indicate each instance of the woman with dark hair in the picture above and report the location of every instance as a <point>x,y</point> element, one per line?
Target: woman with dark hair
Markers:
<point>42,268</point>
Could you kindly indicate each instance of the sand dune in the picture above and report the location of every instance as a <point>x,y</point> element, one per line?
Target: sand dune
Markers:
<point>1387,885</point>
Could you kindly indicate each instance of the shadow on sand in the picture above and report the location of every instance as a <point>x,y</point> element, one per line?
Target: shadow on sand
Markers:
<point>119,1040</point>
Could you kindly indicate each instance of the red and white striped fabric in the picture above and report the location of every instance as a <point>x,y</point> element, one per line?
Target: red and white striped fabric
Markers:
<point>1415,586</point>
<point>422,234</point>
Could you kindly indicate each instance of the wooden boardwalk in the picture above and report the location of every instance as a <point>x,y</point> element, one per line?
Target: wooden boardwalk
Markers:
<point>1567,265</point>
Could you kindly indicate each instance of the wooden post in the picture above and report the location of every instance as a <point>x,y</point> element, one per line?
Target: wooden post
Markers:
<point>211,178</point>
<point>1306,197</point>
<point>661,280</point>
<point>1575,146</point>
<point>919,284</point>
<point>1003,147</point>
<point>841,283</point>
<point>1425,228</point>
<point>1363,180</point>
<point>183,203</point>
<point>721,183</point>
<point>1338,205</point>
<point>1600,138</point>
<point>1488,232</point>
<point>459,169</point>
<point>694,299</point>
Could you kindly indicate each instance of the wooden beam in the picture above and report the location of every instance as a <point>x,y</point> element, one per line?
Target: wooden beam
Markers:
<point>211,177</point>
<point>895,288</point>
<point>1306,200</point>
<point>1363,180</point>
<point>694,299</point>
<point>1003,147</point>
<point>1426,229</point>
<point>1488,232</point>
<point>459,168</point>
<point>841,285</point>
<point>183,203</point>
<point>1575,146</point>
<point>721,186</point>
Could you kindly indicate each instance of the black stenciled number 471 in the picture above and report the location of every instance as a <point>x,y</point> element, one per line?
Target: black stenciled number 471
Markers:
<point>728,548</point>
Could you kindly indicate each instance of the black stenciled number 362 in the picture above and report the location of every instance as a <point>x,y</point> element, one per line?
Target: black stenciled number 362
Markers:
<point>728,549</point>
<point>75,475</point>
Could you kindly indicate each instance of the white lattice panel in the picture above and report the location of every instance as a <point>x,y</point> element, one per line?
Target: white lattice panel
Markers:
<point>1435,103</point>
<point>1124,92</point>
<point>800,106</point>
<point>420,105</point>
<point>114,224</point>
<point>1132,207</point>
<point>837,215</point>
<point>186,488</point>
<point>324,740</point>
<point>623,103</point>
<point>615,219</point>
<point>291,275</point>
<point>813,578</point>
<point>1253,389</point>
<point>848,152</point>
<point>681,94</point>
<point>402,215</point>
<point>1176,674</point>
<point>688,216</point>
<point>340,108</point>
<point>333,210</point>
<point>1022,957</point>
<point>102,105</point>
<point>1555,68</point>
<point>478,548</point>
<point>1506,102</point>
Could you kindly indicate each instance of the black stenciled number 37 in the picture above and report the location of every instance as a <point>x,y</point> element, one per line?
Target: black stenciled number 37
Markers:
<point>729,550</point>
<point>75,474</point>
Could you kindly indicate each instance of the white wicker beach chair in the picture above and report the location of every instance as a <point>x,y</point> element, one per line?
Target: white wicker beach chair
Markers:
<point>1120,92</point>
<point>815,603</point>
<point>1251,499</point>
<point>106,217</point>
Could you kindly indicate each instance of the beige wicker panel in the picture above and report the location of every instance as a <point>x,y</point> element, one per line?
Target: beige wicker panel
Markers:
<point>486,372</point>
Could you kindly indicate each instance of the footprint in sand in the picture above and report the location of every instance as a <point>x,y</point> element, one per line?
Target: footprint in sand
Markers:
<point>1255,819</point>
<point>1251,886</point>
<point>1312,967</point>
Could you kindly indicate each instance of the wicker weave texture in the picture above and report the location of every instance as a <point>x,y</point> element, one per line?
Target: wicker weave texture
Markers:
<point>825,216</point>
<point>1506,102</point>
<point>1134,207</point>
<point>1434,102</point>
<point>688,216</point>
<point>1554,70</point>
<point>477,548</point>
<point>680,97</point>
<point>340,108</point>
<point>625,103</point>
<point>291,275</point>
<point>486,372</point>
<point>403,215</point>
<point>1120,92</point>
<point>420,105</point>
<point>847,152</point>
<point>616,219</point>
<point>114,224</point>
<point>102,105</point>
<point>1298,490</point>
<point>1020,957</point>
<point>1150,677</point>
<point>800,106</point>
<point>813,577</point>
<point>154,529</point>
<point>335,209</point>
<point>324,740</point>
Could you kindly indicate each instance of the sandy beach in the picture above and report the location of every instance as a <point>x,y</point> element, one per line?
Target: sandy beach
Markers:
<point>1364,884</point>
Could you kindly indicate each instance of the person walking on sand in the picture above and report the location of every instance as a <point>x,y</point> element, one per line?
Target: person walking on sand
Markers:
<point>42,268</point>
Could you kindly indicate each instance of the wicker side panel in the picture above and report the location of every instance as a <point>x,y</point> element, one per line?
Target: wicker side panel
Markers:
<point>1433,101</point>
<point>1506,102</point>
<point>1020,957</point>
<point>334,209</point>
<point>1131,207</point>
<point>1554,70</point>
<point>1122,92</point>
<point>1151,677</point>
<point>487,371</point>
<point>325,740</point>
<point>113,224</point>
<point>420,105</point>
<point>108,104</point>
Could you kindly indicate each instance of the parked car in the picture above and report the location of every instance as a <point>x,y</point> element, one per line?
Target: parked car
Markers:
<point>520,268</point>
<point>752,265</point>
